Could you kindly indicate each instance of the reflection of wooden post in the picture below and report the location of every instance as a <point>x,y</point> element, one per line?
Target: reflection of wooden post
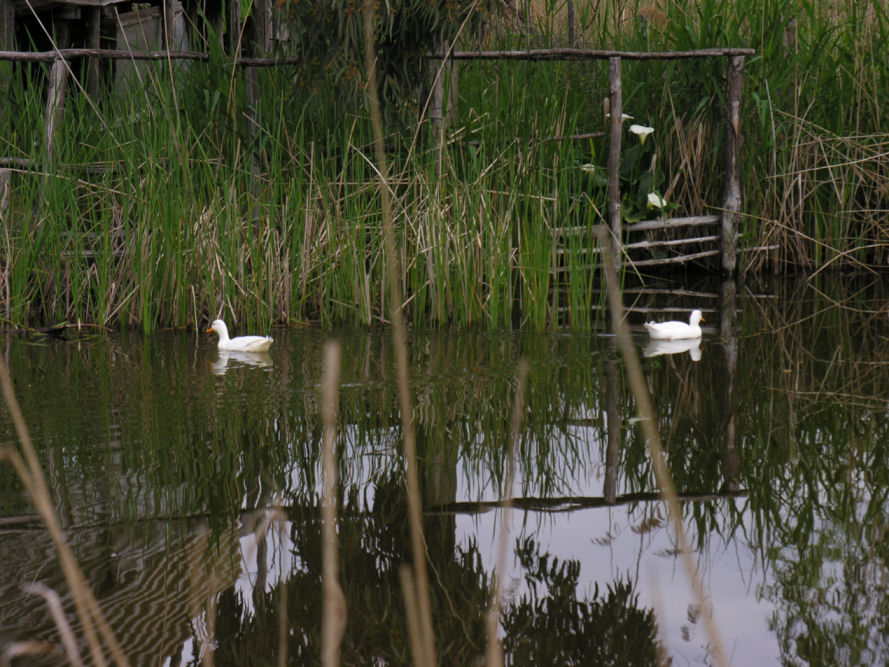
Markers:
<point>58,78</point>
<point>732,202</point>
<point>728,333</point>
<point>612,451</point>
<point>615,104</point>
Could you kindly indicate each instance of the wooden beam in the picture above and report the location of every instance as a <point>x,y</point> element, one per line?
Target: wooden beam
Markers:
<point>640,245</point>
<point>594,54</point>
<point>732,201</point>
<point>615,105</point>
<point>681,259</point>
<point>644,225</point>
<point>663,223</point>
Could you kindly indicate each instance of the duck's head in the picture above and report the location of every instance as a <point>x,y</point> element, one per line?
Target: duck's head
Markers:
<point>219,327</point>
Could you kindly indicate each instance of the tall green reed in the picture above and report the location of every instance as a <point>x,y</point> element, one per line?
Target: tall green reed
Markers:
<point>208,206</point>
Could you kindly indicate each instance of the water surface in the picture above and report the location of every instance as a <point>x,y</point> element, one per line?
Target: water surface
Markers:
<point>188,484</point>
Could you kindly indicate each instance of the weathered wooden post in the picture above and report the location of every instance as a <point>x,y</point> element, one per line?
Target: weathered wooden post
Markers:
<point>7,43</point>
<point>615,105</point>
<point>55,98</point>
<point>732,202</point>
<point>93,41</point>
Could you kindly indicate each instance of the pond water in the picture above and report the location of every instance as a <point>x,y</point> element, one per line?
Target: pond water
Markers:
<point>188,485</point>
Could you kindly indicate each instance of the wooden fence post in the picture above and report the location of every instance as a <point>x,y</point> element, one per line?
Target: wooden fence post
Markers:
<point>615,104</point>
<point>55,99</point>
<point>93,41</point>
<point>732,202</point>
<point>7,43</point>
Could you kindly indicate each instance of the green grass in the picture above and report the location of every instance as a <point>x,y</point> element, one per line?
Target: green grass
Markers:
<point>207,207</point>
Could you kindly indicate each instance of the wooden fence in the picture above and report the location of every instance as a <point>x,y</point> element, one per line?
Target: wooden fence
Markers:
<point>727,220</point>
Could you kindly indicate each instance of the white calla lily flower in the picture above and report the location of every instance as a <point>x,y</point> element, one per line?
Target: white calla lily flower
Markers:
<point>656,201</point>
<point>641,131</point>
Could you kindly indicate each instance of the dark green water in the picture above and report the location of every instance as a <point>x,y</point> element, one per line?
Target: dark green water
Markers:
<point>165,462</point>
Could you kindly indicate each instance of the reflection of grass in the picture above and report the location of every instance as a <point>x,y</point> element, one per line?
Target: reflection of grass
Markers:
<point>98,633</point>
<point>808,455</point>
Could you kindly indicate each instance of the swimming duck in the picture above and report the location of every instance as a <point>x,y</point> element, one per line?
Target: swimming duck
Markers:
<point>676,330</point>
<point>241,343</point>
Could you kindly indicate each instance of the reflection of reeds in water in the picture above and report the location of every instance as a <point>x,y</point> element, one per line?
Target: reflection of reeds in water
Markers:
<point>646,416</point>
<point>95,627</point>
<point>416,586</point>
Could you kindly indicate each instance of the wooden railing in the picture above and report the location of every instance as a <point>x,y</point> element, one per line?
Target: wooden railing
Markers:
<point>731,205</point>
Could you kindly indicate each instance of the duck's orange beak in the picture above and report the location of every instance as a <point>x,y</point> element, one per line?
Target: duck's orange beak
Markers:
<point>210,330</point>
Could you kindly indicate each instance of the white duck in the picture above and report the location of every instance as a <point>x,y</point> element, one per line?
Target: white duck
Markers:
<point>241,343</point>
<point>676,330</point>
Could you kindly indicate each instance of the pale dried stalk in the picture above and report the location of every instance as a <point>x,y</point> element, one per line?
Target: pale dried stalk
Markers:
<point>88,611</point>
<point>418,545</point>
<point>494,655</point>
<point>58,616</point>
<point>333,619</point>
<point>645,412</point>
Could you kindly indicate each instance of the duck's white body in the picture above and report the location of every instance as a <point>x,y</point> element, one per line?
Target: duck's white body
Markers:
<point>241,343</point>
<point>676,330</point>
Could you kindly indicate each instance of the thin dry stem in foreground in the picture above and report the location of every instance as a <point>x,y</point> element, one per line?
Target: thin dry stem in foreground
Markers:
<point>495,650</point>
<point>333,619</point>
<point>58,616</point>
<point>645,412</point>
<point>421,578</point>
<point>88,611</point>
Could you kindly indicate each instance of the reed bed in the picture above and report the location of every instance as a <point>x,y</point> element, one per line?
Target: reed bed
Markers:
<point>182,202</point>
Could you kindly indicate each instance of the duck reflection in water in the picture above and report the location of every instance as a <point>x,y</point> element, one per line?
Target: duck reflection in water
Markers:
<point>229,359</point>
<point>655,348</point>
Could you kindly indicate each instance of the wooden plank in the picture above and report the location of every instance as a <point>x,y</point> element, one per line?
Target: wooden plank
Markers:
<point>760,248</point>
<point>681,259</point>
<point>663,223</point>
<point>644,225</point>
<point>669,243</point>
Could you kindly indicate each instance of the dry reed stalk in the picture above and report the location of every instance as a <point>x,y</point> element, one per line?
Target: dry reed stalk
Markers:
<point>333,619</point>
<point>58,616</point>
<point>645,412</point>
<point>421,579</point>
<point>494,654</point>
<point>283,624</point>
<point>411,613</point>
<point>91,617</point>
